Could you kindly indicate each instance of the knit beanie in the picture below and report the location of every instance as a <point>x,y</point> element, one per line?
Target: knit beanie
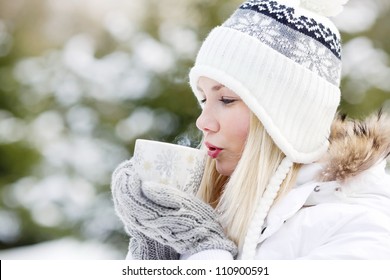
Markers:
<point>283,59</point>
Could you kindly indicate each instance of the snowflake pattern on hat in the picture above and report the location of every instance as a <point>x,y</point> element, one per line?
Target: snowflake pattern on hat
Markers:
<point>289,42</point>
<point>306,25</point>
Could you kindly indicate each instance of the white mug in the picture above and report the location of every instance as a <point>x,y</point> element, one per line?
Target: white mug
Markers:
<point>169,164</point>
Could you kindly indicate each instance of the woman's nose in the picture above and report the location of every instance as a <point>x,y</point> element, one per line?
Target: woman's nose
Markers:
<point>207,121</point>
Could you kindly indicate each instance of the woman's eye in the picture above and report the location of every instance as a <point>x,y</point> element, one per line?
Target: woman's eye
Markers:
<point>226,101</point>
<point>202,101</point>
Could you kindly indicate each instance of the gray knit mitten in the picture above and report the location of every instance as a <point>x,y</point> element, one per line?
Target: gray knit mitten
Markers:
<point>169,216</point>
<point>141,247</point>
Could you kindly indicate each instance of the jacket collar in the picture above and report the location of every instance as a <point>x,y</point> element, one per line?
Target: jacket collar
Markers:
<point>294,200</point>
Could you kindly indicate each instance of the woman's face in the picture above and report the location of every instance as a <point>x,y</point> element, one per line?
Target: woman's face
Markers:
<point>224,122</point>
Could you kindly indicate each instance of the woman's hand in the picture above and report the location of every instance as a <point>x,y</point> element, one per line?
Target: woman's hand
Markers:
<point>141,247</point>
<point>167,215</point>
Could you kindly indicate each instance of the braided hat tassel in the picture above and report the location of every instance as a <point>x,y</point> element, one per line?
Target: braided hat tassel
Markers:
<point>249,248</point>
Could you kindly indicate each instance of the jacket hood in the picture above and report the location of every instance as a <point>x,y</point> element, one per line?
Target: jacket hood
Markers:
<point>355,146</point>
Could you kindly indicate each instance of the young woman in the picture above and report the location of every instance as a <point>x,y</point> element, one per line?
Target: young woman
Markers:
<point>285,179</point>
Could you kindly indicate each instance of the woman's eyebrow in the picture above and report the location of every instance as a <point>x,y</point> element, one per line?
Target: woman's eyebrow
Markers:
<point>217,87</point>
<point>214,88</point>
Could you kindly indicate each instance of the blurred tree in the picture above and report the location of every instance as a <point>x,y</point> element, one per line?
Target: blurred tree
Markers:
<point>81,80</point>
<point>366,86</point>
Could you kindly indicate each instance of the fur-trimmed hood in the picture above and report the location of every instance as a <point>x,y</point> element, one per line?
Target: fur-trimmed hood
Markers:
<point>355,146</point>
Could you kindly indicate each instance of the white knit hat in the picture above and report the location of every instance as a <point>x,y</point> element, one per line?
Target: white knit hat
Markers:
<point>283,59</point>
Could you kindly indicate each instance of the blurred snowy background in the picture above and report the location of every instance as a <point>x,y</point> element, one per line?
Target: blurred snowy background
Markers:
<point>80,80</point>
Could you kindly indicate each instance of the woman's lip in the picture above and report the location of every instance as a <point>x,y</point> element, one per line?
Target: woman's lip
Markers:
<point>213,151</point>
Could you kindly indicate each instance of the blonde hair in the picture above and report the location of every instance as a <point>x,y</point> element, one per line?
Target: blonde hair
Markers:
<point>237,197</point>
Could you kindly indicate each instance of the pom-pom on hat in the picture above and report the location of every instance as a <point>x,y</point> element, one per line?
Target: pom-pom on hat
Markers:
<point>283,58</point>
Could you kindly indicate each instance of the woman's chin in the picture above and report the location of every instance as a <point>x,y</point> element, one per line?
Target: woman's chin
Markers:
<point>224,169</point>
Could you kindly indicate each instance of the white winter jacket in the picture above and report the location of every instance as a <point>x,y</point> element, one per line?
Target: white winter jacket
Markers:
<point>327,220</point>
